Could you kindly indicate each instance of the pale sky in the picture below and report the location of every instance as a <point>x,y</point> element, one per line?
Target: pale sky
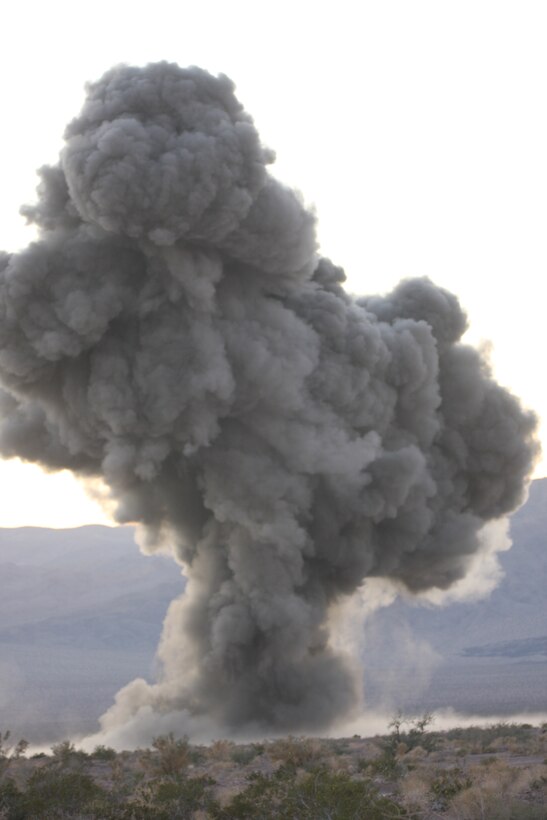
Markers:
<point>418,130</point>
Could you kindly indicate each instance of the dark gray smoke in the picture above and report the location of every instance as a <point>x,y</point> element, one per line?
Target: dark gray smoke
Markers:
<point>174,332</point>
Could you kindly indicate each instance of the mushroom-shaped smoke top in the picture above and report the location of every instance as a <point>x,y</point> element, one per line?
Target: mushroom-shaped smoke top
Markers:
<point>174,332</point>
<point>167,154</point>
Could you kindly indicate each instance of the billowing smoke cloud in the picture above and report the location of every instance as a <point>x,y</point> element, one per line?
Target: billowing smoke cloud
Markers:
<point>174,332</point>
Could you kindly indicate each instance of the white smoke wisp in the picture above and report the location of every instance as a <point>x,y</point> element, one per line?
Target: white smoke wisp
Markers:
<point>174,332</point>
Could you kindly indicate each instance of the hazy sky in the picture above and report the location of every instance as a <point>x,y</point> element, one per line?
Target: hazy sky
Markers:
<point>417,129</point>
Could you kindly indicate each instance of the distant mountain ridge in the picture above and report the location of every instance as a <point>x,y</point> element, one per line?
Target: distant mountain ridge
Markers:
<point>525,647</point>
<point>56,577</point>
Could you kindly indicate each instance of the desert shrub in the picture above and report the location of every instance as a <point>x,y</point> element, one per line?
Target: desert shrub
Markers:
<point>220,749</point>
<point>184,796</point>
<point>53,793</point>
<point>338,747</point>
<point>295,752</point>
<point>499,792</point>
<point>10,751</point>
<point>317,795</point>
<point>416,754</point>
<point>108,808</point>
<point>489,761</point>
<point>103,753</point>
<point>258,798</point>
<point>170,756</point>
<point>477,803</point>
<point>539,782</point>
<point>50,793</point>
<point>447,784</point>
<point>496,737</point>
<point>127,801</point>
<point>161,799</point>
<point>411,732</point>
<point>386,764</point>
<point>242,755</point>
<point>198,754</point>
<point>66,754</point>
<point>414,792</point>
<point>336,795</point>
<point>410,743</point>
<point>339,763</point>
<point>10,801</point>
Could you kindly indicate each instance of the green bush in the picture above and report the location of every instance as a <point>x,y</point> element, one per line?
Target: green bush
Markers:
<point>171,756</point>
<point>9,752</point>
<point>295,752</point>
<point>447,784</point>
<point>416,734</point>
<point>161,799</point>
<point>185,796</point>
<point>103,753</point>
<point>65,754</point>
<point>481,738</point>
<point>318,795</point>
<point>52,793</point>
<point>197,755</point>
<point>242,755</point>
<point>10,801</point>
<point>386,765</point>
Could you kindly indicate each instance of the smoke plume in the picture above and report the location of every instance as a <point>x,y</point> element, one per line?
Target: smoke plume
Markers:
<point>174,332</point>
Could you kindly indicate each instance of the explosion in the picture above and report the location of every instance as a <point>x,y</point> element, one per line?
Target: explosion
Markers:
<point>174,332</point>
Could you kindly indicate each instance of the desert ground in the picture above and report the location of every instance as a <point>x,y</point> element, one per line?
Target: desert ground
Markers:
<point>497,771</point>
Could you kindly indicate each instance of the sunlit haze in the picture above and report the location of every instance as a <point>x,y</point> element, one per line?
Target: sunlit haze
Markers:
<point>416,130</point>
